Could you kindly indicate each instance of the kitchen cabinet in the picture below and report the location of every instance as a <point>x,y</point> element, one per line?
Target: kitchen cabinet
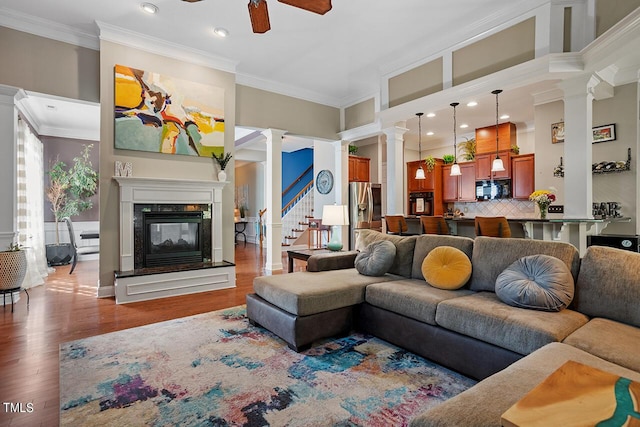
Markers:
<point>427,184</point>
<point>460,188</point>
<point>359,169</point>
<point>484,162</point>
<point>522,176</point>
<point>486,138</point>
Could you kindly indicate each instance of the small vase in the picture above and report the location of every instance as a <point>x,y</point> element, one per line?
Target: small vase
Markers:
<point>222,176</point>
<point>543,211</point>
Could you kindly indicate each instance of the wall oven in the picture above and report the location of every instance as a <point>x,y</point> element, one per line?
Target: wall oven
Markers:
<point>421,203</point>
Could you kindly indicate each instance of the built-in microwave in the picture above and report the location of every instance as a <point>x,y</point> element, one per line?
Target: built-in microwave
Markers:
<point>496,189</point>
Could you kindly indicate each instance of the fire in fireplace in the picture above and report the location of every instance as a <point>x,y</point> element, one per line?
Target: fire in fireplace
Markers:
<point>172,238</point>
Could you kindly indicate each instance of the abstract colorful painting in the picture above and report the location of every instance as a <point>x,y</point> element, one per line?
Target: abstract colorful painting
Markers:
<point>167,115</point>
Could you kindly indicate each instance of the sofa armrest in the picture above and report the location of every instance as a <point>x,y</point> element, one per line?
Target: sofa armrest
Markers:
<point>331,261</point>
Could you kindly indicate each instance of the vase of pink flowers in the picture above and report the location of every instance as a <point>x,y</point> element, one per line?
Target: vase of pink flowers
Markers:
<point>543,199</point>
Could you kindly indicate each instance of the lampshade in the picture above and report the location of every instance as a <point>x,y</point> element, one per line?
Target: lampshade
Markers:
<point>497,165</point>
<point>420,171</point>
<point>335,215</point>
<point>455,168</point>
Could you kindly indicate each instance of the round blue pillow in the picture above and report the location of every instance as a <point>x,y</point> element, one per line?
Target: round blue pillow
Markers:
<point>376,259</point>
<point>539,282</point>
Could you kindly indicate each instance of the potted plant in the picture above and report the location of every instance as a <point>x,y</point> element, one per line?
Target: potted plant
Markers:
<point>13,267</point>
<point>222,160</point>
<point>430,163</point>
<point>69,193</point>
<point>468,149</point>
<point>448,159</point>
<point>353,149</point>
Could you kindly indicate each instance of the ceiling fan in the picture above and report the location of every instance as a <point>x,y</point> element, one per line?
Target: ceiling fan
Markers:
<point>260,15</point>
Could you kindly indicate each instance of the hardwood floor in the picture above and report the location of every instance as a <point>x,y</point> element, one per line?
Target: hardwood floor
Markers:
<point>65,308</point>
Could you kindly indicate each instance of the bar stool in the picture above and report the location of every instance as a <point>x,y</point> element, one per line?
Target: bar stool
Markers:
<point>434,225</point>
<point>396,224</point>
<point>492,226</point>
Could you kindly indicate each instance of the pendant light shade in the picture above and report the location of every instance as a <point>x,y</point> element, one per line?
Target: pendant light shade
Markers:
<point>420,171</point>
<point>455,168</point>
<point>497,165</point>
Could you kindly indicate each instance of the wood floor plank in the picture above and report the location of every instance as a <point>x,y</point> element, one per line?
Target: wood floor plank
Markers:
<point>65,308</point>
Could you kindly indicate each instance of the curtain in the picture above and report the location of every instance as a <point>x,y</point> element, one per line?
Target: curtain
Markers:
<point>30,186</point>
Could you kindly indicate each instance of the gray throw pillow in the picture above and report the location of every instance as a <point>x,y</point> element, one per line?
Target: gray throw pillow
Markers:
<point>539,282</point>
<point>376,259</point>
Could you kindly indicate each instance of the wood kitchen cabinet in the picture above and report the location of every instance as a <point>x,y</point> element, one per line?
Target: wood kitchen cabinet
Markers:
<point>486,138</point>
<point>484,162</point>
<point>522,176</point>
<point>359,169</point>
<point>431,178</point>
<point>459,188</point>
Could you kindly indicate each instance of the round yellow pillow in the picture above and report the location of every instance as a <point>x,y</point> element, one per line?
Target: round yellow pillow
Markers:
<point>446,267</point>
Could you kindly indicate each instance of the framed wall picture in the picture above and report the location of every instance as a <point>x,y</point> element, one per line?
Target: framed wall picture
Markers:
<point>604,133</point>
<point>557,132</point>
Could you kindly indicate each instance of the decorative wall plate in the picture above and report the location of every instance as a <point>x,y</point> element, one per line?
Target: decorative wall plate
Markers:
<point>324,181</point>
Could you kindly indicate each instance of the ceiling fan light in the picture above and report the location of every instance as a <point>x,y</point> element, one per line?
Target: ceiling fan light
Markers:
<point>420,173</point>
<point>221,32</point>
<point>455,170</point>
<point>497,165</point>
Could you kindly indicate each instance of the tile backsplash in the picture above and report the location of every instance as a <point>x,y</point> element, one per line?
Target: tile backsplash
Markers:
<point>502,207</point>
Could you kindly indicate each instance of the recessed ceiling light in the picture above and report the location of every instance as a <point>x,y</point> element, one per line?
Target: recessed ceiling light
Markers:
<point>221,32</point>
<point>429,133</point>
<point>431,115</point>
<point>504,116</point>
<point>149,8</point>
<point>472,104</point>
<point>464,126</point>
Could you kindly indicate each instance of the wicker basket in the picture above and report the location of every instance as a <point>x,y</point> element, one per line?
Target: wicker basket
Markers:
<point>13,267</point>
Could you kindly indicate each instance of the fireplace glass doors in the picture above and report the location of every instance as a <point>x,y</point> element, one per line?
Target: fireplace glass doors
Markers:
<point>172,238</point>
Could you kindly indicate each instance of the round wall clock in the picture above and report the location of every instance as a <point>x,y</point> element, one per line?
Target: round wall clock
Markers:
<point>324,181</point>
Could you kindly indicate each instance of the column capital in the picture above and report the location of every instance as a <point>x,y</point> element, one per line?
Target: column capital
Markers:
<point>273,133</point>
<point>396,132</point>
<point>582,85</point>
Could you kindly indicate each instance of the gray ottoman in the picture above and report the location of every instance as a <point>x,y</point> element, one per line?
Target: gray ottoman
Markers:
<point>304,307</point>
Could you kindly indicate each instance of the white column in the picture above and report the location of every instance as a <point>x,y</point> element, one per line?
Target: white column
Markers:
<point>395,168</point>
<point>273,199</point>
<point>578,118</point>
<point>341,182</point>
<point>8,160</point>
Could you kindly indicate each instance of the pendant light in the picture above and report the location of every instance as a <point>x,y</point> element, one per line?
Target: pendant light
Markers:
<point>497,165</point>
<point>420,171</point>
<point>455,168</point>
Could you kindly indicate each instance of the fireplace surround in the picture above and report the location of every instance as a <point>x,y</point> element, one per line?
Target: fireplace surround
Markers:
<point>136,281</point>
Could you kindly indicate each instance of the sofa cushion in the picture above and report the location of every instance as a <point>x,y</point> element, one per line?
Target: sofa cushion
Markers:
<point>446,268</point>
<point>609,340</point>
<point>376,259</point>
<point>491,255</point>
<point>411,298</point>
<point>304,293</point>
<point>539,282</point>
<point>484,403</point>
<point>484,317</point>
<point>404,249</point>
<point>425,243</point>
<point>609,285</point>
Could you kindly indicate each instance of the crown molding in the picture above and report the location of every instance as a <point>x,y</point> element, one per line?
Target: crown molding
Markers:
<point>49,29</point>
<point>132,39</point>
<point>287,90</point>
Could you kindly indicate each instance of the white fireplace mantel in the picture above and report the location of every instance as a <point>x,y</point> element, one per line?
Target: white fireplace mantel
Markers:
<point>135,287</point>
<point>135,190</point>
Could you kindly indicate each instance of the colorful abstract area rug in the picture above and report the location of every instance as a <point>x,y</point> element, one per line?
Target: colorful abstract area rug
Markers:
<point>216,369</point>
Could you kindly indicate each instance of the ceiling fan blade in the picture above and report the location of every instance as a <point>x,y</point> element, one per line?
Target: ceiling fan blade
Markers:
<point>316,6</point>
<point>191,1</point>
<point>259,16</point>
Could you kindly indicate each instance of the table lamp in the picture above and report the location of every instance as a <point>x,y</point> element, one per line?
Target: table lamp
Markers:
<point>335,216</point>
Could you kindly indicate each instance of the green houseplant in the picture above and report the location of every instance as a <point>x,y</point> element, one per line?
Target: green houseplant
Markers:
<point>430,163</point>
<point>222,160</point>
<point>69,192</point>
<point>448,159</point>
<point>468,149</point>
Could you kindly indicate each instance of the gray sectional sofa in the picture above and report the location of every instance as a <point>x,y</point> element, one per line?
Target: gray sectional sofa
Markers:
<point>470,329</point>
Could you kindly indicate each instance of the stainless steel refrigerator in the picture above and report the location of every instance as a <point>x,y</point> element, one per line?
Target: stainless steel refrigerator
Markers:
<point>365,208</point>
